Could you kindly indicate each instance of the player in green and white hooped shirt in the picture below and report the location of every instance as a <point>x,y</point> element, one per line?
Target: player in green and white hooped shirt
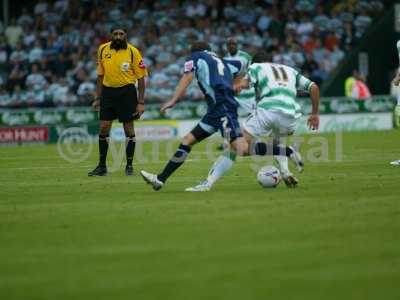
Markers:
<point>396,82</point>
<point>247,97</point>
<point>276,113</point>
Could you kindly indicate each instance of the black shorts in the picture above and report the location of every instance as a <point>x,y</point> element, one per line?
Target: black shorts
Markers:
<point>118,103</point>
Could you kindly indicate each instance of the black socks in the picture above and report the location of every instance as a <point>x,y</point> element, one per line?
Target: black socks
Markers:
<point>175,162</point>
<point>261,148</point>
<point>130,149</point>
<point>103,148</point>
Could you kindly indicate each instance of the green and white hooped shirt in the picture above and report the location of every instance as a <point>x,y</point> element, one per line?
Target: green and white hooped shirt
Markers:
<point>247,97</point>
<point>277,86</point>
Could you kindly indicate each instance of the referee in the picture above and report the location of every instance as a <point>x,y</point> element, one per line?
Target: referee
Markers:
<point>119,67</point>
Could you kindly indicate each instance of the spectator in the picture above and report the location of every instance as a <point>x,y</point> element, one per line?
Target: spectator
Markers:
<point>86,92</point>
<point>35,96</point>
<point>194,9</point>
<point>13,32</point>
<point>61,5</point>
<point>17,74</point>
<point>29,36</point>
<point>263,21</point>
<point>62,95</point>
<point>308,68</point>
<point>40,8</point>
<point>79,77</point>
<point>291,24</point>
<point>4,96</point>
<point>305,28</point>
<point>61,65</point>
<point>310,43</point>
<point>348,35</point>
<point>360,89</point>
<point>25,19</point>
<point>44,68</point>
<point>361,22</point>
<point>349,84</point>
<point>35,78</point>
<point>19,54</point>
<point>18,97</point>
<point>355,86</point>
<point>331,41</point>
<point>336,56</point>
<point>36,53</point>
<point>4,50</point>
<point>319,53</point>
<point>53,87</point>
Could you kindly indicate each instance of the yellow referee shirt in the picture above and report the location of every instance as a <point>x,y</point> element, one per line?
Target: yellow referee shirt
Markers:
<point>121,67</point>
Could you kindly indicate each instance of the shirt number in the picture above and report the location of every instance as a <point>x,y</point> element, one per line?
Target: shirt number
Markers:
<point>281,78</point>
<point>220,65</point>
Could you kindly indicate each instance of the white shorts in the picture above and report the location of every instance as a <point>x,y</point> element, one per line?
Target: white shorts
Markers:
<point>263,122</point>
<point>248,106</point>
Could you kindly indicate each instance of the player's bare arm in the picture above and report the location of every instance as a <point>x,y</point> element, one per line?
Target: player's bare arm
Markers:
<point>180,90</point>
<point>396,80</point>
<point>313,119</point>
<point>141,90</point>
<point>99,84</point>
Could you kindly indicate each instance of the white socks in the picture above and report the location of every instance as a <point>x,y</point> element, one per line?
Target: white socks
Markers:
<point>220,167</point>
<point>283,164</point>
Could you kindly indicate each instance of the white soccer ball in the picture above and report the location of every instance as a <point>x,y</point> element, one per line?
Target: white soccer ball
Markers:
<point>269,176</point>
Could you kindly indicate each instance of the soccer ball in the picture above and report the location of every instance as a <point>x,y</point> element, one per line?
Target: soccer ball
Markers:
<point>269,176</point>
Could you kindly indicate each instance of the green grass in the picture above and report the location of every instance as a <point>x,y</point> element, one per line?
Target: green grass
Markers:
<point>66,236</point>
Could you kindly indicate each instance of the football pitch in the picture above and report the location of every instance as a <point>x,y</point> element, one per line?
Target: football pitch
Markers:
<point>64,235</point>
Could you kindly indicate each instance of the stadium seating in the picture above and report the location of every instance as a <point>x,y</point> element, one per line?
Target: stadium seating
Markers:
<point>47,58</point>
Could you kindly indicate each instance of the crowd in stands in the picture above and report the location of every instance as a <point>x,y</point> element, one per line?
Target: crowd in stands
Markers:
<point>48,53</point>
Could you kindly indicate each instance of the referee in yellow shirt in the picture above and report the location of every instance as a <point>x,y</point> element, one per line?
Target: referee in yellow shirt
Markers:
<point>119,68</point>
